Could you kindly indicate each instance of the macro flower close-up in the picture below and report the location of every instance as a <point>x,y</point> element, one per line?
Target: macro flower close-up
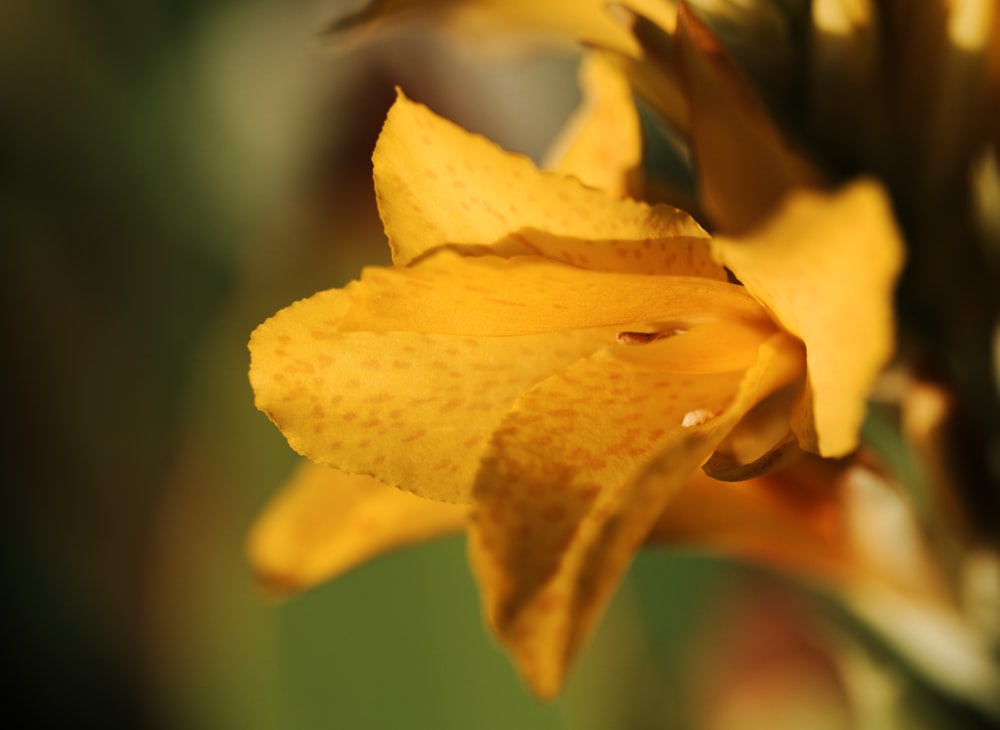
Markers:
<point>563,362</point>
<point>536,364</point>
<point>565,370</point>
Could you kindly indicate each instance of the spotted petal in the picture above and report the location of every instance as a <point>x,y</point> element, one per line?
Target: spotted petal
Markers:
<point>578,472</point>
<point>439,185</point>
<point>411,409</point>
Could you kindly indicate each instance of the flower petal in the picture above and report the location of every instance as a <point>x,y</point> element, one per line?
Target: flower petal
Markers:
<point>490,296</point>
<point>576,475</point>
<point>601,145</point>
<point>439,185</point>
<point>791,519</point>
<point>840,521</point>
<point>826,267</point>
<point>744,164</point>
<point>411,409</point>
<point>324,522</point>
<point>763,440</point>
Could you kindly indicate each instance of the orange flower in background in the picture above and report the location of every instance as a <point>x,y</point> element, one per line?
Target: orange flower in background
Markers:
<point>549,365</point>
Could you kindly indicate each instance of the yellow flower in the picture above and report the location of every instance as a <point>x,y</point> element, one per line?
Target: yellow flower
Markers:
<point>550,365</point>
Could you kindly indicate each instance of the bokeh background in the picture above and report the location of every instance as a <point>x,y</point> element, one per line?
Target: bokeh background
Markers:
<point>171,173</point>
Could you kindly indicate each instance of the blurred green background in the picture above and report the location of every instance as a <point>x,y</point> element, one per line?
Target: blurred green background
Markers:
<point>171,173</point>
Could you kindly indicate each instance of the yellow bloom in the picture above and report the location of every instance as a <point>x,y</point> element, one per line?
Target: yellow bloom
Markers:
<point>550,366</point>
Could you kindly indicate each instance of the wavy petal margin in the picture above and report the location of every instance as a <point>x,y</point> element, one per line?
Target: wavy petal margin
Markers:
<point>826,266</point>
<point>439,185</point>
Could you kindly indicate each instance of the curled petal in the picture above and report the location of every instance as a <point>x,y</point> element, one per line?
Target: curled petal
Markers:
<point>578,472</point>
<point>324,522</point>
<point>826,267</point>
<point>729,466</point>
<point>763,439</point>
